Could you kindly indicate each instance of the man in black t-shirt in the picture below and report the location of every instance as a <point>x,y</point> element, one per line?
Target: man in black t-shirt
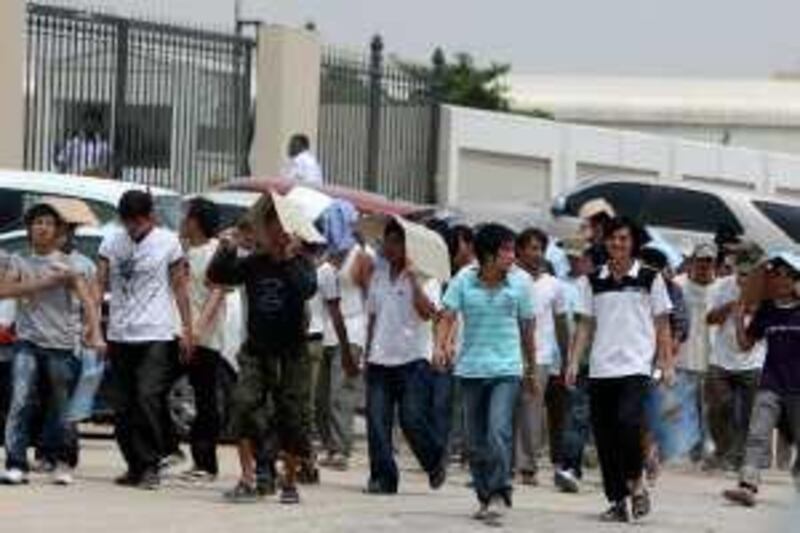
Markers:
<point>274,365</point>
<point>777,321</point>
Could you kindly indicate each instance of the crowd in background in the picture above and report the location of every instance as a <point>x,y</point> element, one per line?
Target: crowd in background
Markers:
<point>492,367</point>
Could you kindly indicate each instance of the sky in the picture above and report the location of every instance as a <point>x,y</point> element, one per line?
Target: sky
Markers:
<point>695,38</point>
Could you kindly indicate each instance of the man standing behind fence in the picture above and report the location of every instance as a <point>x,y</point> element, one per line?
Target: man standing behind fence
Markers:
<point>302,166</point>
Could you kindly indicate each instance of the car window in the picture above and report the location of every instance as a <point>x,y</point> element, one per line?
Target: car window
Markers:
<point>229,215</point>
<point>684,209</point>
<point>625,197</point>
<point>786,217</point>
<point>168,210</point>
<point>11,210</point>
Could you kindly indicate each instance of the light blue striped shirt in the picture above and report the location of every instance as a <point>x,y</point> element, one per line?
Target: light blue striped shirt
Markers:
<point>492,344</point>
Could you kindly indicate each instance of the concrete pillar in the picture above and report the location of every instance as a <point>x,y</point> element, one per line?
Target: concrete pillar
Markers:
<point>287,98</point>
<point>12,82</point>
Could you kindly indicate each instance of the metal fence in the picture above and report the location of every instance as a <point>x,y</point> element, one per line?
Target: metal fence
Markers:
<point>136,100</point>
<point>378,125</point>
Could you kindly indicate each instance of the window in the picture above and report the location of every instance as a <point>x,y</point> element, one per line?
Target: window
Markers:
<point>786,217</point>
<point>684,209</point>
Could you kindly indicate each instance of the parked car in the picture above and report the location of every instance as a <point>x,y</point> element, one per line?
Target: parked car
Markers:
<point>686,214</point>
<point>21,189</point>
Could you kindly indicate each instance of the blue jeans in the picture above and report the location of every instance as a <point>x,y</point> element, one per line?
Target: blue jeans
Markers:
<point>577,427</point>
<point>442,404</point>
<point>489,406</point>
<point>405,389</point>
<point>57,370</point>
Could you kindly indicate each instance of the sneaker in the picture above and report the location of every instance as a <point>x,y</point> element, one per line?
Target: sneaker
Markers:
<point>743,496</point>
<point>62,476</point>
<point>14,476</point>
<point>150,480</point>
<point>566,481</point>
<point>641,505</point>
<point>197,475</point>
<point>529,479</point>
<point>618,512</point>
<point>289,496</point>
<point>505,496</point>
<point>128,479</point>
<point>308,474</point>
<point>242,493</point>
<point>172,460</point>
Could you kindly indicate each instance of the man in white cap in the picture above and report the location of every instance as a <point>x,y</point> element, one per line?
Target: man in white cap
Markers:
<point>693,355</point>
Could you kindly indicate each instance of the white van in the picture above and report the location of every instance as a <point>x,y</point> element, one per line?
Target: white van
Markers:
<point>686,214</point>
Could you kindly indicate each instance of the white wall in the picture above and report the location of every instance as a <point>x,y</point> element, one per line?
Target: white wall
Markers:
<point>498,157</point>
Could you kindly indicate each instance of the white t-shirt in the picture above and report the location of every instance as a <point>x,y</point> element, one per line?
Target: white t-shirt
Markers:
<point>199,258</point>
<point>726,352</point>
<point>400,336</point>
<point>694,354</point>
<point>549,300</point>
<point>339,285</point>
<point>625,337</point>
<point>142,304</point>
<point>304,168</point>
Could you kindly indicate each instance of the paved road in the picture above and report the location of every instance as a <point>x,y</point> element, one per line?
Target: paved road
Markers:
<point>686,502</point>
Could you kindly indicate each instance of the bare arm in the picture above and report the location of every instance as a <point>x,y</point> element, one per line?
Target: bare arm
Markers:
<point>743,337</point>
<point>445,331</point>
<point>337,319</point>
<point>180,289</point>
<point>584,329</point>
<point>424,307</point>
<point>28,287</point>
<point>664,352</point>
<point>718,316</point>
<point>527,328</point>
<point>211,307</point>
<point>94,335</point>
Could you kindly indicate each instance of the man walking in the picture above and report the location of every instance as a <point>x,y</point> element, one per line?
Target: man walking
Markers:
<point>401,308</point>
<point>146,271</point>
<point>626,307</point>
<point>551,341</point>
<point>777,322</point>
<point>343,292</point>
<point>497,355</point>
<point>208,311</point>
<point>734,372</point>
<point>48,335</point>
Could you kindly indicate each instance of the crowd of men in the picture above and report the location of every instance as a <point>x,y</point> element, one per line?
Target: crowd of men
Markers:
<point>491,367</point>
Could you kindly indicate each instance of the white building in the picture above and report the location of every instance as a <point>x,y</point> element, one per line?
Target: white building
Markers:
<point>757,114</point>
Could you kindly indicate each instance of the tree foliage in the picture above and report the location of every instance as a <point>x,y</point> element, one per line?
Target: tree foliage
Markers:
<point>461,81</point>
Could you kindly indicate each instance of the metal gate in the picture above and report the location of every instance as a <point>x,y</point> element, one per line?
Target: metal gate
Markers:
<point>378,125</point>
<point>134,100</point>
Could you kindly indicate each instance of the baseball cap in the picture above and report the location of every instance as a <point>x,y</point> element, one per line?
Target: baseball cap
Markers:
<point>787,257</point>
<point>705,250</point>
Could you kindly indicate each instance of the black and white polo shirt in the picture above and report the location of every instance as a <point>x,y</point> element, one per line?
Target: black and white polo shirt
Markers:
<point>624,310</point>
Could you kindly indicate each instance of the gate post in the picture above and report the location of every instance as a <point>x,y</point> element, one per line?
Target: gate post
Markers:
<point>288,66</point>
<point>374,113</point>
<point>12,83</point>
<point>119,118</point>
<point>436,89</point>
